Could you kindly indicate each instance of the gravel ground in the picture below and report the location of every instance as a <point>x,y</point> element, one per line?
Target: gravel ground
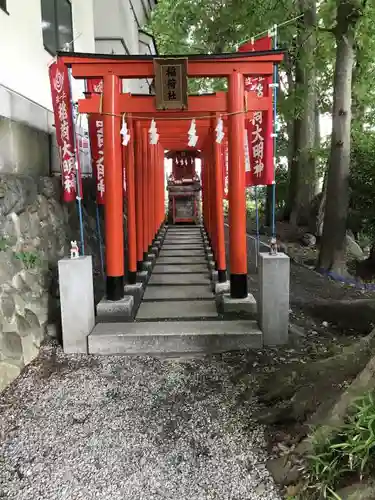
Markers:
<point>130,428</point>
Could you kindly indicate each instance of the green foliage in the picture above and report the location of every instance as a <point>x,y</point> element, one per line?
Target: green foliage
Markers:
<point>347,452</point>
<point>282,182</point>
<point>213,26</point>
<point>30,260</point>
<point>4,244</point>
<point>362,183</point>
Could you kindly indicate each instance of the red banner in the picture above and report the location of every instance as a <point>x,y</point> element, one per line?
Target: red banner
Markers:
<point>96,133</point>
<point>224,152</point>
<point>258,139</point>
<point>62,109</point>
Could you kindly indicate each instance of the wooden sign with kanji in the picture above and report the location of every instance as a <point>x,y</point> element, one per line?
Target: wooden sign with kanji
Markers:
<point>171,83</point>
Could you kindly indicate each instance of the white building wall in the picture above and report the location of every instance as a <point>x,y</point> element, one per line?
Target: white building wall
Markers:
<point>83,25</point>
<point>23,60</point>
<point>26,115</point>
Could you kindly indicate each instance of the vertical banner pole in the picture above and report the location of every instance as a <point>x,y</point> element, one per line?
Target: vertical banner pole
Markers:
<point>78,170</point>
<point>256,225</point>
<point>275,81</point>
<point>79,184</point>
<point>97,213</point>
<point>99,231</point>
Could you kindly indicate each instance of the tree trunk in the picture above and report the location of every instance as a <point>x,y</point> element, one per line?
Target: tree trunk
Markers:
<point>317,141</point>
<point>332,249</point>
<point>292,129</point>
<point>306,92</point>
<point>322,207</point>
<point>358,106</point>
<point>293,164</point>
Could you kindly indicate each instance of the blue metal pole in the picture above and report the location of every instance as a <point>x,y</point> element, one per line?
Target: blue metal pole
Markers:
<point>78,184</point>
<point>100,240</point>
<point>256,225</point>
<point>97,214</point>
<point>275,82</point>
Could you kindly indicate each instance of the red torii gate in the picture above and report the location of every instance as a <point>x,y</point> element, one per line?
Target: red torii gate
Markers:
<point>144,162</point>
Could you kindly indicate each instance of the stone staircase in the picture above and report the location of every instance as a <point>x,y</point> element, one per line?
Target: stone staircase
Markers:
<point>178,313</point>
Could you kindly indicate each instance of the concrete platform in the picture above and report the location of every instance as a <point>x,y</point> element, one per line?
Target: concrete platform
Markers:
<point>198,309</point>
<point>179,279</point>
<point>179,268</point>
<point>174,292</point>
<point>182,260</point>
<point>174,337</point>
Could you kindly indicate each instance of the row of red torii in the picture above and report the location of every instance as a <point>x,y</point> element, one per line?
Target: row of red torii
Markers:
<point>145,162</point>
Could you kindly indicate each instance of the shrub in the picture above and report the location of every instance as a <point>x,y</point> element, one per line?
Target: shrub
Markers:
<point>30,260</point>
<point>348,451</point>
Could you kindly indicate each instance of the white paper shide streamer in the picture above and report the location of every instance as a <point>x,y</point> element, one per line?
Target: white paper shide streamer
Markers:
<point>219,131</point>
<point>192,134</point>
<point>125,132</point>
<point>153,132</point>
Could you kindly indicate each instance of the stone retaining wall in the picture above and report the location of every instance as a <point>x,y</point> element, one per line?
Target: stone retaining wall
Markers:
<point>35,232</point>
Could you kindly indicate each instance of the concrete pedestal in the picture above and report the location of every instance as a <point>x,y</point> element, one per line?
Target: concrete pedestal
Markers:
<point>122,308</point>
<point>247,306</point>
<point>142,276</point>
<point>211,265</point>
<point>151,257</point>
<point>221,288</point>
<point>135,290</point>
<point>274,273</point>
<point>77,302</point>
<point>147,266</point>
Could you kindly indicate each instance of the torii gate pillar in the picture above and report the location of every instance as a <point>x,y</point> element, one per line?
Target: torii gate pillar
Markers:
<point>236,188</point>
<point>113,212</point>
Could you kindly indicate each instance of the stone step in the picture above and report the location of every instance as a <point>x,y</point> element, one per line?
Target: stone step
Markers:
<point>174,292</point>
<point>185,228</point>
<point>188,241</point>
<point>183,238</point>
<point>177,260</point>
<point>174,337</point>
<point>185,232</point>
<point>184,235</point>
<point>192,309</point>
<point>181,253</point>
<point>180,279</point>
<point>181,246</point>
<point>179,268</point>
